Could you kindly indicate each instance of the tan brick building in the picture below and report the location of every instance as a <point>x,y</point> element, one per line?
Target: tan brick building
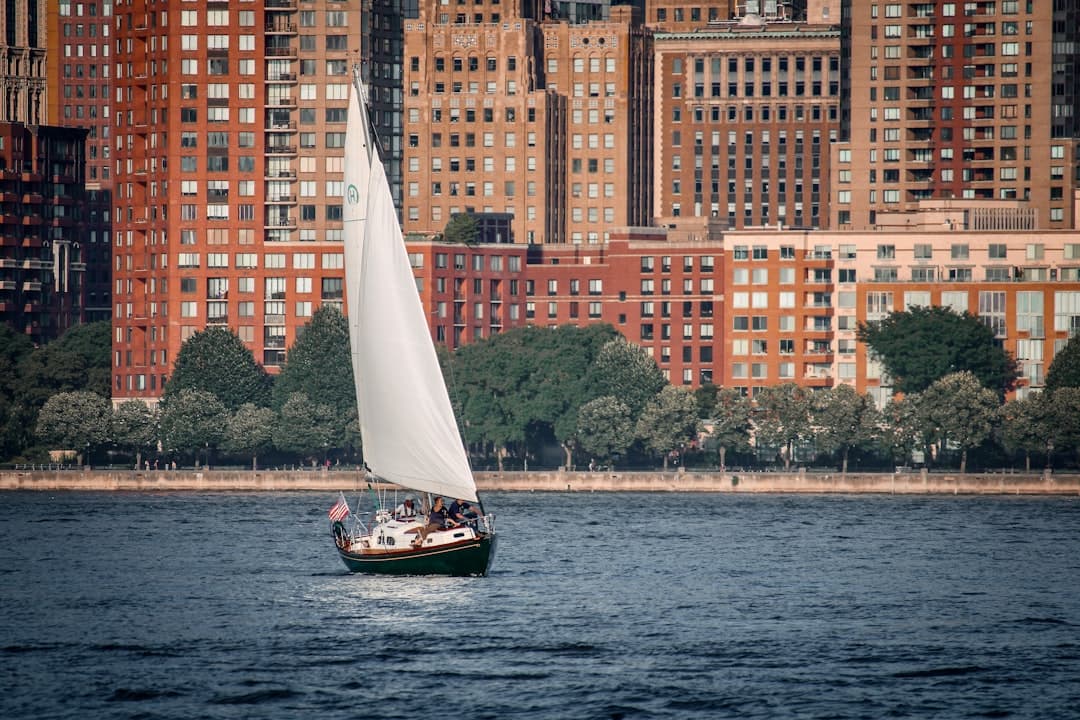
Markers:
<point>745,112</point>
<point>548,122</point>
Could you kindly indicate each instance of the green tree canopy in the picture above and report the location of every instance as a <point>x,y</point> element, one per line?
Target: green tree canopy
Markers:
<point>1021,426</point>
<point>307,428</point>
<point>192,422</point>
<point>899,432</point>
<point>782,417</point>
<point>605,429</point>
<point>76,421</point>
<point>251,431</point>
<point>319,364</point>
<point>1061,410</point>
<point>959,411</point>
<point>218,362</point>
<point>626,371</point>
<point>1065,369</point>
<point>134,428</point>
<point>843,419</point>
<point>77,360</point>
<point>525,386</point>
<point>14,426</point>
<point>924,344</point>
<point>730,421</point>
<point>461,228</point>
<point>669,421</point>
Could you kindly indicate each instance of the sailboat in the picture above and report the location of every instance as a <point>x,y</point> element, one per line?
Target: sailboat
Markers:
<point>407,425</point>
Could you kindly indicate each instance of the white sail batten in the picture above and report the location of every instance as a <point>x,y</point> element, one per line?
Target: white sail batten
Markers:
<point>410,436</point>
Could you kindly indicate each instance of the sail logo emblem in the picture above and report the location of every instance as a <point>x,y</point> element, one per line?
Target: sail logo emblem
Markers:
<point>352,195</point>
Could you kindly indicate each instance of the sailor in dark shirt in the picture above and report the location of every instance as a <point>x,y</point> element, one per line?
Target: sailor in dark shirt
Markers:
<point>437,519</point>
<point>462,512</point>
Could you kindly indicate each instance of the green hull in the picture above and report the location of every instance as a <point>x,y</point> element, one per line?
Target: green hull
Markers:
<point>472,557</point>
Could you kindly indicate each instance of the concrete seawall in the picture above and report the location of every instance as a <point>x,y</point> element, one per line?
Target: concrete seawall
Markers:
<point>559,481</point>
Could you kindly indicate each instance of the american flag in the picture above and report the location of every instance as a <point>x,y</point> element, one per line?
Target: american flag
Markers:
<point>340,511</point>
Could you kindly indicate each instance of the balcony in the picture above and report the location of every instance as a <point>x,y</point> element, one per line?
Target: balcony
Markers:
<point>279,174</point>
<point>274,199</point>
<point>280,52</point>
<point>281,78</point>
<point>280,26</point>
<point>280,149</point>
<point>289,102</point>
<point>279,4</point>
<point>280,222</point>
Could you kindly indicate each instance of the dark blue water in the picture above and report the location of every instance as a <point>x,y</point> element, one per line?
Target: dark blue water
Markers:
<point>599,606</point>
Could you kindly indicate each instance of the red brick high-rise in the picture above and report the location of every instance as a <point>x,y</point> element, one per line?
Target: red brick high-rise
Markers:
<point>228,156</point>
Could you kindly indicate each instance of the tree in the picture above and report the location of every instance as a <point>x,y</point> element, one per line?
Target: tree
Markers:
<point>80,359</point>
<point>782,418</point>
<point>319,364</point>
<point>605,429</point>
<point>76,421</point>
<point>250,430</point>
<point>1065,369</point>
<point>731,423</point>
<point>462,228</point>
<point>1021,426</point>
<point>218,362</point>
<point>307,428</point>
<point>134,428</point>
<point>920,346</point>
<point>843,419</point>
<point>14,429</point>
<point>193,421</point>
<point>1061,410</point>
<point>899,430</point>
<point>669,421</point>
<point>959,411</point>
<point>523,387</point>
<point>624,370</point>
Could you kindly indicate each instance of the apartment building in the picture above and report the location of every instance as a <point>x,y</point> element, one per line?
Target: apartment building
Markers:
<point>745,113</point>
<point>969,100</point>
<point>23,82</point>
<point>470,293</point>
<point>42,215</point>
<point>546,122</point>
<point>229,143</point>
<point>755,308</point>
<point>78,67</point>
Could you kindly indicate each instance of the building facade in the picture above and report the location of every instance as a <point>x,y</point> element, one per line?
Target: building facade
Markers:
<point>745,114</point>
<point>972,100</point>
<point>228,175</point>
<point>548,122</point>
<point>79,67</point>
<point>23,82</point>
<point>755,308</point>
<point>42,228</point>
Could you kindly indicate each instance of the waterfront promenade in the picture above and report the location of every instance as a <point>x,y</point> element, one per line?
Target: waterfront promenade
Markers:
<point>795,481</point>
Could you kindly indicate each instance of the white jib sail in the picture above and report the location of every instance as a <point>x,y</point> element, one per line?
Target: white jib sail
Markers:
<point>407,424</point>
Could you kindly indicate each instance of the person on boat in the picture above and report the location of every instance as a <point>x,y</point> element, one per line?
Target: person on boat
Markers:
<point>462,512</point>
<point>406,510</point>
<point>437,519</point>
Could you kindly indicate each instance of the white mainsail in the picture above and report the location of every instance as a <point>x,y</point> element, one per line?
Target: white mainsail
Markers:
<point>407,424</point>
<point>354,214</point>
